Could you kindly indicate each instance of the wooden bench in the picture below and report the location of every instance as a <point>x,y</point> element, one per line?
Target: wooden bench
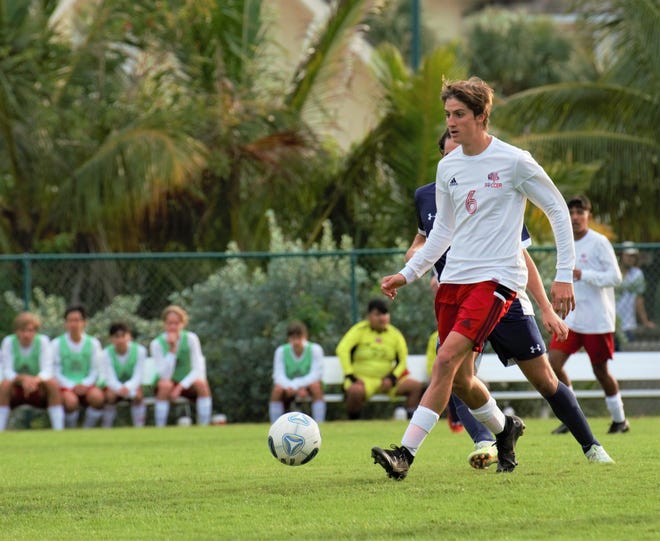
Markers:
<point>628,366</point>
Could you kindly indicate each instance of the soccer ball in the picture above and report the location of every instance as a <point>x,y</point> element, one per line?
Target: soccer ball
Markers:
<point>294,439</point>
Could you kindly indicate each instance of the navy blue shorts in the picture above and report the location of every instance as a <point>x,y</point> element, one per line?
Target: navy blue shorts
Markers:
<point>516,337</point>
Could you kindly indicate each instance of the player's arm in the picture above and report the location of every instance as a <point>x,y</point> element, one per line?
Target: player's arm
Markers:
<point>94,364</point>
<point>197,362</point>
<point>163,360</point>
<point>108,372</point>
<point>7,371</point>
<point>344,351</point>
<point>45,358</point>
<point>541,191</point>
<point>551,321</point>
<point>135,382</point>
<point>402,357</point>
<point>63,381</point>
<point>417,243</point>
<point>279,372</point>
<point>643,317</point>
<point>315,370</point>
<point>611,276</point>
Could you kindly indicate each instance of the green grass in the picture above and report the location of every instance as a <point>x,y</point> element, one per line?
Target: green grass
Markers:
<point>222,483</point>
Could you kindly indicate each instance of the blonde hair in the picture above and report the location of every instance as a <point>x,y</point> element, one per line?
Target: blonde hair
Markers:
<point>173,308</point>
<point>24,319</point>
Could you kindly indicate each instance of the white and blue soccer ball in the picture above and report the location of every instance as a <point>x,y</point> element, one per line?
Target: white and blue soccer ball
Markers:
<point>294,439</point>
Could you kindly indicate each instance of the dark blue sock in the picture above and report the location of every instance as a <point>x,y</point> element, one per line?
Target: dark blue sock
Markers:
<point>474,428</point>
<point>451,409</point>
<point>568,411</point>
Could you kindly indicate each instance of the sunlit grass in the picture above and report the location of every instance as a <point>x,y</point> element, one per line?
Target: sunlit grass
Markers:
<point>222,483</point>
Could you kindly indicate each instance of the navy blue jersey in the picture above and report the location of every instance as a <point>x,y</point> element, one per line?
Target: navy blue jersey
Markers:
<point>425,208</point>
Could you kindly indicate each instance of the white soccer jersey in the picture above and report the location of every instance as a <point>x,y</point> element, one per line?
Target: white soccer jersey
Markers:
<point>594,293</point>
<point>76,347</point>
<point>315,373</point>
<point>110,375</point>
<point>46,368</point>
<point>481,203</point>
<point>166,360</point>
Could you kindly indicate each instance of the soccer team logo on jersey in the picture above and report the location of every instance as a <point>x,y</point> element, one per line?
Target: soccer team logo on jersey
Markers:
<point>493,180</point>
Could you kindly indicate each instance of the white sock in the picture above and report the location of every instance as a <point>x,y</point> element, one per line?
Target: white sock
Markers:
<point>204,410</point>
<point>161,411</point>
<point>422,422</point>
<point>71,419</point>
<point>109,414</point>
<point>318,410</point>
<point>92,417</point>
<point>275,410</point>
<point>490,415</point>
<point>56,415</point>
<point>615,405</point>
<point>4,417</point>
<point>139,415</point>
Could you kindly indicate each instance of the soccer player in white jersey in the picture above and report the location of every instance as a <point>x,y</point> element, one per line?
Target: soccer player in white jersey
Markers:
<point>517,340</point>
<point>592,324</point>
<point>297,373</point>
<point>181,367</point>
<point>27,369</point>
<point>122,366</point>
<point>76,356</point>
<point>482,189</point>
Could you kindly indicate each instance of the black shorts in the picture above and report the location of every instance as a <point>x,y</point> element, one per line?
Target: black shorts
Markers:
<point>516,337</point>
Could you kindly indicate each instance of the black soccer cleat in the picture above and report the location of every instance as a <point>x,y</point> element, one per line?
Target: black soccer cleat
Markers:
<point>395,462</point>
<point>561,429</point>
<point>506,443</point>
<point>621,427</point>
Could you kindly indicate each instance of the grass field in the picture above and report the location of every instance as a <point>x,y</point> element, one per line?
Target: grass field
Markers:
<point>221,483</point>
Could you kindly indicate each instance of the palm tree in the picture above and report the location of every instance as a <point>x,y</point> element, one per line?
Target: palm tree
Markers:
<point>90,149</point>
<point>611,123</point>
<point>264,133</point>
<point>379,176</point>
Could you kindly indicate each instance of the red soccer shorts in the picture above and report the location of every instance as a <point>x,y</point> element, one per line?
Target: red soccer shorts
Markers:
<point>599,347</point>
<point>472,310</point>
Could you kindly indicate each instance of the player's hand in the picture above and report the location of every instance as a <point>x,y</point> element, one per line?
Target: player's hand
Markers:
<point>302,393</point>
<point>389,284</point>
<point>29,385</point>
<point>554,324</point>
<point>176,391</point>
<point>563,298</point>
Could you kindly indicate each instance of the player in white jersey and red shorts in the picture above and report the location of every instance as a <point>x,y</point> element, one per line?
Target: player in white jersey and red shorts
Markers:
<point>482,189</point>
<point>592,324</point>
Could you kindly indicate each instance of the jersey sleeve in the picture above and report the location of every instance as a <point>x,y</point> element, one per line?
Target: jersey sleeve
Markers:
<point>401,354</point>
<point>611,275</point>
<point>346,346</point>
<point>540,190</point>
<point>197,361</point>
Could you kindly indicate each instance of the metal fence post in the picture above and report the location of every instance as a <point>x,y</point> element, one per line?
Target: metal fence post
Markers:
<point>27,280</point>
<point>354,300</point>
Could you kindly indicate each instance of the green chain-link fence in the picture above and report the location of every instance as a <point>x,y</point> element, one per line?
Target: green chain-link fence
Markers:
<point>94,280</point>
<point>240,303</point>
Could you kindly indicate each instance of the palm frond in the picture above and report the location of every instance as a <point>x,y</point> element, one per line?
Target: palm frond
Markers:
<point>131,171</point>
<point>327,54</point>
<point>580,105</point>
